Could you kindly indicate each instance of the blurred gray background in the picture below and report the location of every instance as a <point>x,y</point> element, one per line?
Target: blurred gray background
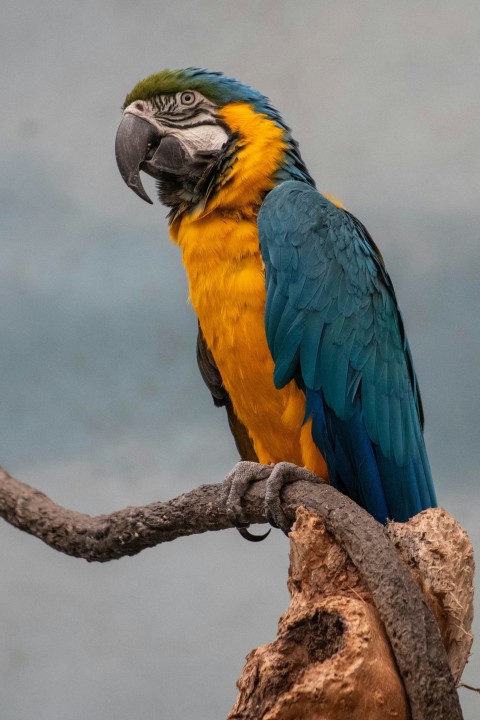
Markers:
<point>101,403</point>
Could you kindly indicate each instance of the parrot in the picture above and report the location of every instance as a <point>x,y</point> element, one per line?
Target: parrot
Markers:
<point>300,335</point>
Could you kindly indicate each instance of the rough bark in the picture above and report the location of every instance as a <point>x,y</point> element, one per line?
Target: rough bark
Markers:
<point>440,556</point>
<point>332,659</point>
<point>409,625</point>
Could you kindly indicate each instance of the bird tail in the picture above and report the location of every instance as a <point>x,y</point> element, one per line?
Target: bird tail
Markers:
<point>357,467</point>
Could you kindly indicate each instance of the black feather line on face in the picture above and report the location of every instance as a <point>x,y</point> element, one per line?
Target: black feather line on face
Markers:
<point>201,178</point>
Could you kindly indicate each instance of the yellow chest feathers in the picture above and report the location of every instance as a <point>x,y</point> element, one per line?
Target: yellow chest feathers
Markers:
<point>222,258</point>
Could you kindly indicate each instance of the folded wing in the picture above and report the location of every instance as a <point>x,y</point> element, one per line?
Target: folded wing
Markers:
<point>333,325</point>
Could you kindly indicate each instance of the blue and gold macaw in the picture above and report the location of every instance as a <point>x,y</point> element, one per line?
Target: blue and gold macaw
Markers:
<point>300,334</point>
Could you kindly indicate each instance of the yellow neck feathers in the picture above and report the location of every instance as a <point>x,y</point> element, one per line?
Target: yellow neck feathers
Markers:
<point>260,151</point>
<point>226,227</point>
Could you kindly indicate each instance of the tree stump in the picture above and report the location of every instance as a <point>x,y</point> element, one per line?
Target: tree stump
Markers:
<point>332,659</point>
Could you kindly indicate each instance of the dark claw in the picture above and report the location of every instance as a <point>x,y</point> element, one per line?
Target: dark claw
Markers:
<point>245,533</point>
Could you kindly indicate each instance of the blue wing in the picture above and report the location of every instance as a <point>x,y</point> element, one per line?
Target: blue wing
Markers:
<point>333,325</point>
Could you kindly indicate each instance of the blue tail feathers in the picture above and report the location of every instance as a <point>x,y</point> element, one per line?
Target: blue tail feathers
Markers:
<point>358,468</point>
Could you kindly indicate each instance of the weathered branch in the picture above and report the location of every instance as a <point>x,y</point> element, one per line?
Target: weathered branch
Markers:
<point>124,532</point>
<point>410,626</point>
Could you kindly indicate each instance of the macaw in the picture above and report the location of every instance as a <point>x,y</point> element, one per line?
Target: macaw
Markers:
<point>300,334</point>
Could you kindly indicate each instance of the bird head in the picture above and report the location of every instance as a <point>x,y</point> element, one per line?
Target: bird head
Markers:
<point>188,128</point>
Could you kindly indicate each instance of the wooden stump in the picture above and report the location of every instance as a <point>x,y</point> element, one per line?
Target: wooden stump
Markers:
<point>332,659</point>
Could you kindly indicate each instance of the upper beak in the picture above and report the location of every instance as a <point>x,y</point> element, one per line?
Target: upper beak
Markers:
<point>136,141</point>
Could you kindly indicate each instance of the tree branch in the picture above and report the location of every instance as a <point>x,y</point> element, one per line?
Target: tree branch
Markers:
<point>410,626</point>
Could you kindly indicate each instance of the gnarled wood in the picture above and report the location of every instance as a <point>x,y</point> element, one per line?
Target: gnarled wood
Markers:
<point>332,659</point>
<point>409,625</point>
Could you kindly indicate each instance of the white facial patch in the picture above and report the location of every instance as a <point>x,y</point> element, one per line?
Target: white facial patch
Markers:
<point>196,132</point>
<point>204,137</point>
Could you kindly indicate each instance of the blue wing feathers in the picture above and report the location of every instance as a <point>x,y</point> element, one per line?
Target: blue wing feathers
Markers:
<point>275,306</point>
<point>310,348</point>
<point>333,325</point>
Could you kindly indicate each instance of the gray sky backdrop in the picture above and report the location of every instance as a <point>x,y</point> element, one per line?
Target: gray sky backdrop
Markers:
<point>101,402</point>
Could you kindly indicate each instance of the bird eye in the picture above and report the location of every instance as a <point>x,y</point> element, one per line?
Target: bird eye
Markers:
<point>187,98</point>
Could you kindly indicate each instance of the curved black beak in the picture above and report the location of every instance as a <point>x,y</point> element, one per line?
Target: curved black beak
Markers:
<point>136,141</point>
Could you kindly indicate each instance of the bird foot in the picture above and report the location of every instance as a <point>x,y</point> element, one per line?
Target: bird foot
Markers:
<point>277,476</point>
<point>283,473</point>
<point>236,485</point>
